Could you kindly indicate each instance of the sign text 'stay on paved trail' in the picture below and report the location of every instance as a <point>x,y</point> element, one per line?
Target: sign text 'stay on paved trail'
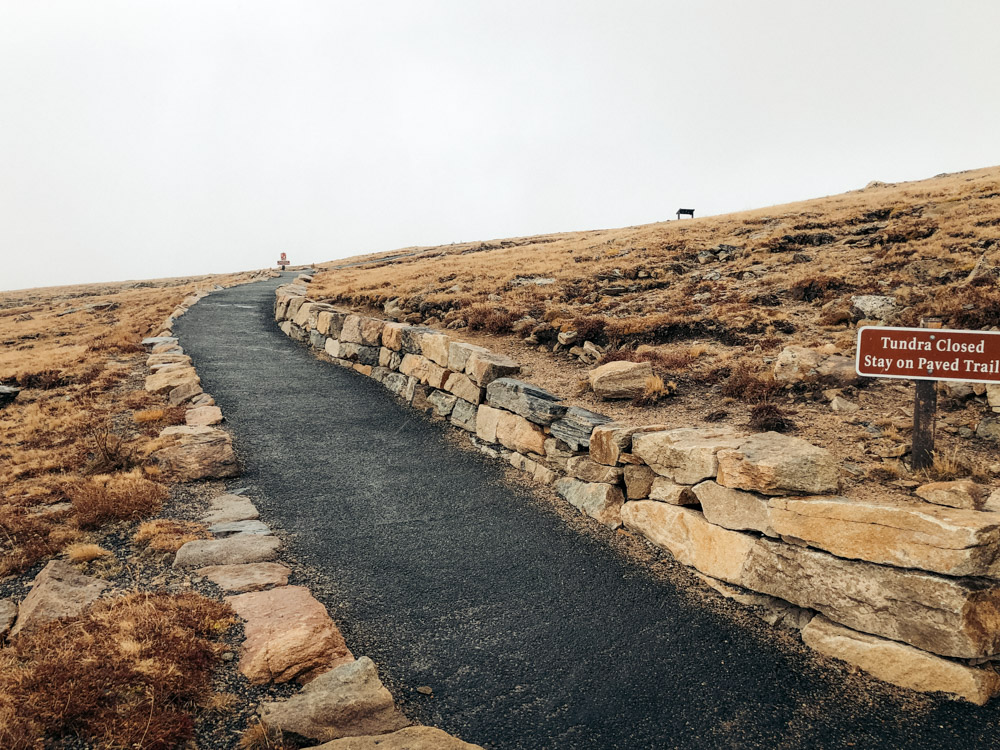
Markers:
<point>929,354</point>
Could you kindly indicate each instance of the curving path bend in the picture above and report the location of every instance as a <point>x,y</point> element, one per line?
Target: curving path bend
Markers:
<point>531,635</point>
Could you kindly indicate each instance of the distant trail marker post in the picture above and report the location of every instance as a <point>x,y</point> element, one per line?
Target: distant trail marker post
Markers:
<point>927,355</point>
<point>283,261</point>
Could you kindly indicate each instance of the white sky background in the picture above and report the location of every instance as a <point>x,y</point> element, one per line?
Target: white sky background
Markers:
<point>150,138</point>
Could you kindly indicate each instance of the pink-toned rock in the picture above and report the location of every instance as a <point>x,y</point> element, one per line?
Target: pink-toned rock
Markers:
<point>59,590</point>
<point>203,416</point>
<point>462,386</point>
<point>608,442</point>
<point>289,636</point>
<point>434,346</point>
<point>411,738</point>
<point>246,577</point>
<point>392,336</point>
<point>196,453</point>
<point>667,491</point>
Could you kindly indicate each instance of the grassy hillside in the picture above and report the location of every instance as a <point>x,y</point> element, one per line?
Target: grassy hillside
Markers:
<point>712,301</point>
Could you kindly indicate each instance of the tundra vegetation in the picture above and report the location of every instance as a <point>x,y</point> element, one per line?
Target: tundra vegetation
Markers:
<point>713,303</point>
<point>135,667</point>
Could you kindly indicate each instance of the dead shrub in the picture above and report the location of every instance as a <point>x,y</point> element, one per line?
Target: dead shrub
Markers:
<point>44,380</point>
<point>168,535</point>
<point>261,736</point>
<point>111,452</point>
<point>490,318</point>
<point>768,417</point>
<point>807,290</point>
<point>748,384</point>
<point>123,674</point>
<point>116,497</point>
<point>590,328</point>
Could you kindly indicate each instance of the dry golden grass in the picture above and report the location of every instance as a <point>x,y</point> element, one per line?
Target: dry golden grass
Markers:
<point>75,414</point>
<point>122,675</point>
<point>83,552</point>
<point>168,535</point>
<point>116,497</point>
<point>918,240</point>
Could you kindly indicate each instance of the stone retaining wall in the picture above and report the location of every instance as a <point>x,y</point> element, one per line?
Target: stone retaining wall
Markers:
<point>908,592</point>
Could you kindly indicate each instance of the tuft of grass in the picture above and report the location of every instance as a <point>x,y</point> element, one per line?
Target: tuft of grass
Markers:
<point>116,497</point>
<point>122,675</point>
<point>160,417</point>
<point>490,318</point>
<point>656,390</point>
<point>82,552</point>
<point>168,535</point>
<point>261,736</point>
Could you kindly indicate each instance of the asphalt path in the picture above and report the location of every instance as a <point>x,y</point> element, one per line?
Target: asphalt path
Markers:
<point>530,633</point>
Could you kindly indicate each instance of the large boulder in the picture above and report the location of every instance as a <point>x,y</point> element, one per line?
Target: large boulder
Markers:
<point>602,502</point>
<point>189,453</point>
<point>687,455</point>
<point>776,464</point>
<point>289,636</point>
<point>913,535</point>
<point>900,664</point>
<point>872,307</point>
<point>795,364</point>
<point>620,379</point>
<point>59,590</point>
<point>348,700</point>
<point>531,402</point>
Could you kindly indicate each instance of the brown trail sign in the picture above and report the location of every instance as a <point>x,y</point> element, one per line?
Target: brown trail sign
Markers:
<point>927,355</point>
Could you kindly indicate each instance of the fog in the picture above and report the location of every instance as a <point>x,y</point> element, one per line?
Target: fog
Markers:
<point>166,138</point>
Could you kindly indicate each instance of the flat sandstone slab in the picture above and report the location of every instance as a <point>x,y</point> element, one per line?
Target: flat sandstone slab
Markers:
<point>247,576</point>
<point>226,508</point>
<point>900,664</point>
<point>242,548</point>
<point>411,738</point>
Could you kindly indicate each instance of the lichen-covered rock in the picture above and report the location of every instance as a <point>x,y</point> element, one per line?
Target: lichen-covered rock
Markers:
<point>361,330</point>
<point>190,453</point>
<point>463,415</point>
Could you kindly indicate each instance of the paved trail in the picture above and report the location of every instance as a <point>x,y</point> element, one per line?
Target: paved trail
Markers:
<point>531,635</point>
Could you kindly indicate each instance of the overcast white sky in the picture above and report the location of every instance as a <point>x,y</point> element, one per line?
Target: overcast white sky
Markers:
<point>149,138</point>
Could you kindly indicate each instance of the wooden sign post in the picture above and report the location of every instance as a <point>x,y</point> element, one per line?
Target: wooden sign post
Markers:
<point>927,355</point>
